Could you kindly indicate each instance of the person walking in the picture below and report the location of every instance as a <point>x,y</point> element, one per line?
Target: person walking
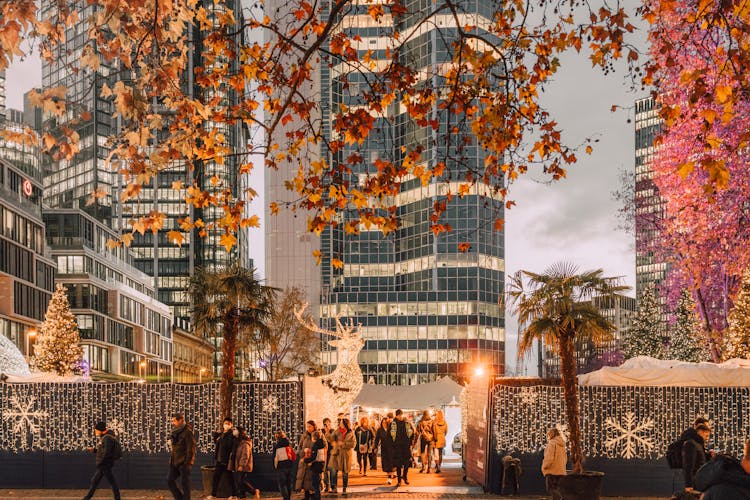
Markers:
<point>553,464</point>
<point>694,454</point>
<point>385,443</point>
<point>108,451</point>
<point>283,463</point>
<point>327,432</point>
<point>224,442</point>
<point>403,436</point>
<point>304,480</point>
<point>439,431</point>
<point>365,438</point>
<point>426,436</point>
<point>181,457</point>
<point>241,463</point>
<point>341,455</point>
<point>315,459</point>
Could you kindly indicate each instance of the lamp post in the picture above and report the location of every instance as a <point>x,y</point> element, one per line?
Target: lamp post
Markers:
<point>200,375</point>
<point>32,340</point>
<point>143,368</point>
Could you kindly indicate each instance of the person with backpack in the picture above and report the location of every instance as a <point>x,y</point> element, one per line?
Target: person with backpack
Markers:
<point>426,436</point>
<point>181,444</point>
<point>674,450</point>
<point>283,460</point>
<point>694,455</point>
<point>108,451</point>
<point>224,442</point>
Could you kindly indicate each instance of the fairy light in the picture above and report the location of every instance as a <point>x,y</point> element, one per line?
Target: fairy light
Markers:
<point>60,416</point>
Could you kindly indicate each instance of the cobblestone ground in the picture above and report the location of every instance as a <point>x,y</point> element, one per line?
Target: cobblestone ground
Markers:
<point>165,495</point>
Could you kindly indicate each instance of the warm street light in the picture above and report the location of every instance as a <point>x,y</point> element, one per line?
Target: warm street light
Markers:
<point>479,371</point>
<point>32,333</point>
<point>143,368</point>
<point>200,375</point>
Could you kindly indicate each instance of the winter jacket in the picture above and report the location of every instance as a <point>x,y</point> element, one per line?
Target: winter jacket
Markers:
<point>693,457</point>
<point>284,464</point>
<point>383,439</point>
<point>183,446</point>
<point>365,437</point>
<point>425,431</point>
<point>105,448</point>
<point>303,480</point>
<point>439,430</point>
<point>723,479</point>
<point>403,437</point>
<point>341,453</point>
<point>224,445</point>
<point>242,456</point>
<point>314,464</point>
<point>555,457</point>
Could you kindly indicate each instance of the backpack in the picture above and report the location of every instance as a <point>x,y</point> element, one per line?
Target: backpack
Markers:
<point>116,453</point>
<point>674,454</point>
<point>427,432</point>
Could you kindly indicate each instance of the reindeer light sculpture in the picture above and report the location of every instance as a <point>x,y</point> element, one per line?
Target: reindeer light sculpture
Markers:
<point>345,382</point>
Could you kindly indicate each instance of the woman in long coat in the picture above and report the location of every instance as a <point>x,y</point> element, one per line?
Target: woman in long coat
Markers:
<point>343,441</point>
<point>439,430</point>
<point>383,439</point>
<point>304,478</point>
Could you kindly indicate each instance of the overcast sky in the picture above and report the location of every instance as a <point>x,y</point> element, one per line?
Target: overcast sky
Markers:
<point>573,220</point>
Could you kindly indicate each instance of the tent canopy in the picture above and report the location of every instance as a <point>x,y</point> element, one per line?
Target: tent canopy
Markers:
<point>645,371</point>
<point>409,397</point>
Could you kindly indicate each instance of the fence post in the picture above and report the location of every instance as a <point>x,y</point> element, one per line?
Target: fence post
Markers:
<point>476,448</point>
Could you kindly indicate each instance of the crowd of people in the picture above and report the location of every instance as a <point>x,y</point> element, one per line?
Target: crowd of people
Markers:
<point>312,467</point>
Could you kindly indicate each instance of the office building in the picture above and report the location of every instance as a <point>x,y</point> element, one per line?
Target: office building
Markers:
<point>427,309</point>
<point>69,184</point>
<point>125,331</point>
<point>620,310</point>
<point>192,357</point>
<point>650,267</point>
<point>27,273</point>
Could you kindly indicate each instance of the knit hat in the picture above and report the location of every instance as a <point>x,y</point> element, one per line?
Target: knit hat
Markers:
<point>100,426</point>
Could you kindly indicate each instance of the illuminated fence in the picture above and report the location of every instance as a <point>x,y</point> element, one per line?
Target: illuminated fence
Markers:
<point>60,417</point>
<point>632,423</point>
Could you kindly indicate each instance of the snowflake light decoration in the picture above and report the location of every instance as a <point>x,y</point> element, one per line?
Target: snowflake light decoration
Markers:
<point>527,396</point>
<point>24,419</point>
<point>270,404</point>
<point>629,435</point>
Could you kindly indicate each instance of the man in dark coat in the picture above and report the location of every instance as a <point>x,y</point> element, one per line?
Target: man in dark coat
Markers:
<point>224,445</point>
<point>694,453</point>
<point>402,434</point>
<point>723,479</point>
<point>105,460</point>
<point>181,457</point>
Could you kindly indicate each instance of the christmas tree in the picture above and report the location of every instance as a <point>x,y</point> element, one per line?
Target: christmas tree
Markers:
<point>738,335</point>
<point>645,337</point>
<point>58,348</point>
<point>685,343</point>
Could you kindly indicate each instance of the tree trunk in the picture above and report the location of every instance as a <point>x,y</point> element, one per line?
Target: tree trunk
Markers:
<point>570,391</point>
<point>711,337</point>
<point>228,351</point>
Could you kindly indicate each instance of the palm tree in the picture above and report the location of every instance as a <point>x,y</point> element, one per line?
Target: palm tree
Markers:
<point>556,307</point>
<point>228,301</point>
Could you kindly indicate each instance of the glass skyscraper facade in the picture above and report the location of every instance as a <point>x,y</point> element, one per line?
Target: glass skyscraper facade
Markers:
<point>426,309</point>
<point>69,184</point>
<point>650,268</point>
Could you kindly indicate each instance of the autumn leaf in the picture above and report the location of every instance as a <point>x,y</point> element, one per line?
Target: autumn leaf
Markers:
<point>464,247</point>
<point>337,263</point>
<point>176,237</point>
<point>228,240</point>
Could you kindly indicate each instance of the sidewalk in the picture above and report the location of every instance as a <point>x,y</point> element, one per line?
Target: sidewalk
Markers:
<point>102,494</point>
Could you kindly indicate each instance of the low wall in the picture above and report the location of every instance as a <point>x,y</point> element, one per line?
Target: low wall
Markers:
<point>626,430</point>
<point>44,428</point>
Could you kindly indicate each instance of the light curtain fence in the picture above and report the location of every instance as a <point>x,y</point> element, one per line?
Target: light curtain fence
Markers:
<point>60,417</point>
<point>620,422</point>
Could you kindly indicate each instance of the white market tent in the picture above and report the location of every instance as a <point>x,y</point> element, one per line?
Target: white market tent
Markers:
<point>410,397</point>
<point>646,371</point>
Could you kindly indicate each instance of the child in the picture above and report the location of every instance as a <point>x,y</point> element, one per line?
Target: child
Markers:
<point>315,460</point>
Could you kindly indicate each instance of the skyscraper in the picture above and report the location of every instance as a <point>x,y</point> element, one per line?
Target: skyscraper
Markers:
<point>650,269</point>
<point>69,184</point>
<point>426,308</point>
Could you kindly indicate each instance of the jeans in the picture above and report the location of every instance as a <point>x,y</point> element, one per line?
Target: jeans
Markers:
<point>241,484</point>
<point>183,472</point>
<point>284,479</point>
<point>315,485</point>
<point>219,471</point>
<point>362,460</point>
<point>425,453</point>
<point>103,471</point>
<point>551,484</point>
<point>439,462</point>
<point>401,472</point>
<point>335,478</point>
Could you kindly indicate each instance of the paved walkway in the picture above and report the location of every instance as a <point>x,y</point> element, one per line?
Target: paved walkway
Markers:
<point>165,495</point>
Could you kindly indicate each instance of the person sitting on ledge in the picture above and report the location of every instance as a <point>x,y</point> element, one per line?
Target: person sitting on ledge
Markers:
<point>725,477</point>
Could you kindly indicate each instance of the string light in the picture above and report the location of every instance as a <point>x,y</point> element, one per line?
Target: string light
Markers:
<point>12,361</point>
<point>60,416</point>
<point>620,422</point>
